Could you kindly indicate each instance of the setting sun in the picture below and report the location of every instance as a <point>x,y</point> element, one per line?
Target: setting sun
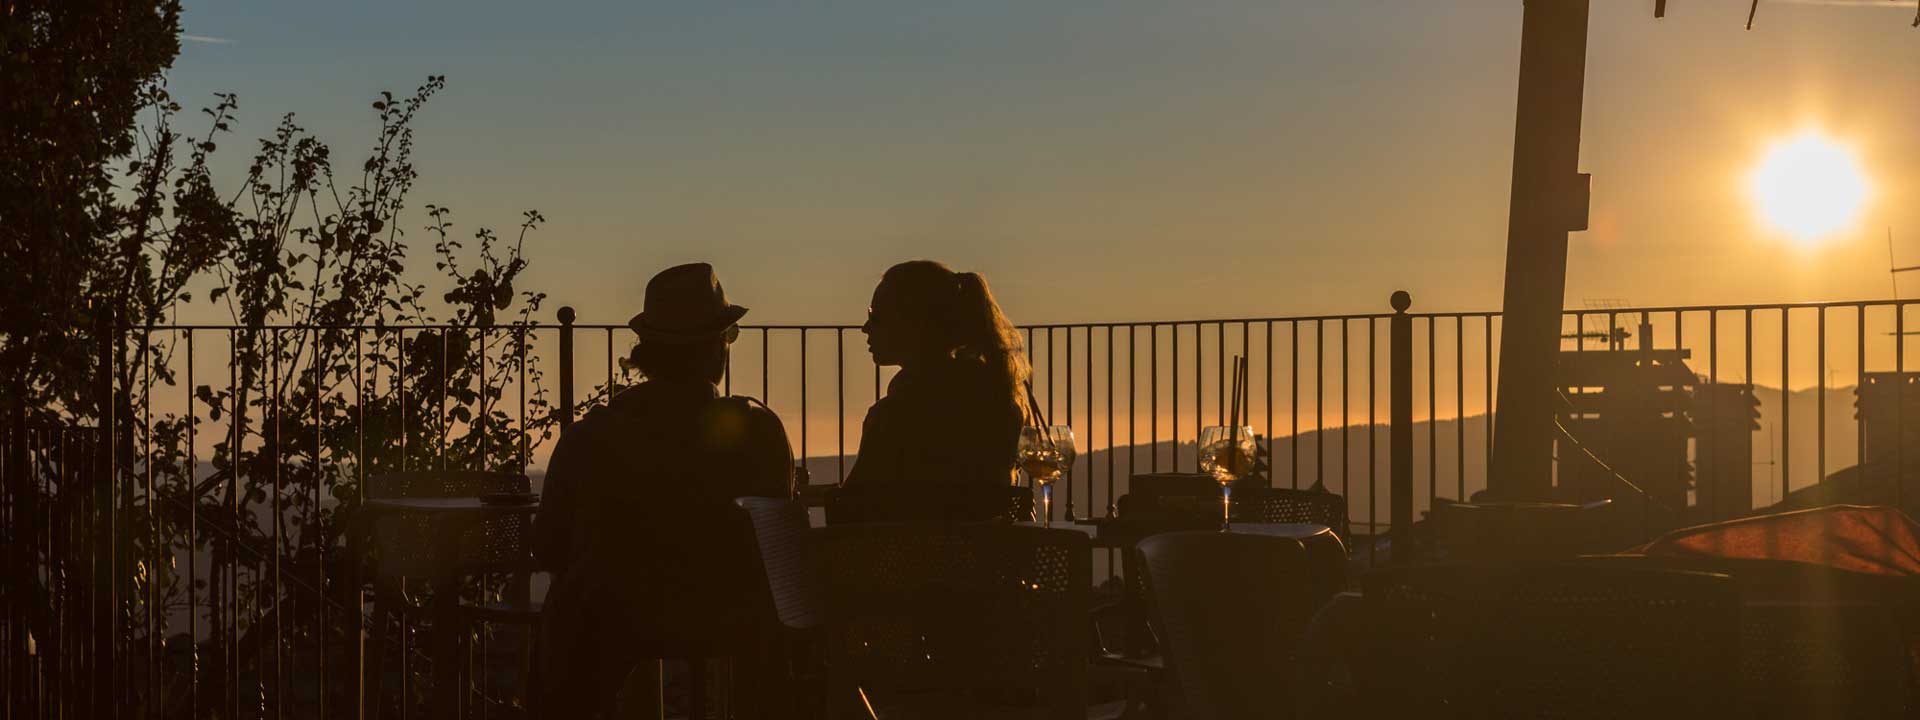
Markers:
<point>1808,186</point>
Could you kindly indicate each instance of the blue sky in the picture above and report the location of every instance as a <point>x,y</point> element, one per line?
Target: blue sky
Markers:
<point>1096,160</point>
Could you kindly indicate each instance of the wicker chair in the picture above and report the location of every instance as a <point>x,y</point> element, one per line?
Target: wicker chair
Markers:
<point>408,547</point>
<point>1569,639</point>
<point>1230,609</point>
<point>1283,505</point>
<point>958,621</point>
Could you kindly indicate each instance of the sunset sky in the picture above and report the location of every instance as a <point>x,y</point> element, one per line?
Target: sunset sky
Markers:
<point>1096,160</point>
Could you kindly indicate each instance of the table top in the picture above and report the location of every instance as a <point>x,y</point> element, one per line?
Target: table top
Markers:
<point>1297,531</point>
<point>450,505</point>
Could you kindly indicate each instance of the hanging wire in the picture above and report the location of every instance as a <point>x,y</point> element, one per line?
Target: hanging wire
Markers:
<point>1595,459</point>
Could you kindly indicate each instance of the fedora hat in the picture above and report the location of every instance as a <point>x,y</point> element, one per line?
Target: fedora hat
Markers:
<point>685,304</point>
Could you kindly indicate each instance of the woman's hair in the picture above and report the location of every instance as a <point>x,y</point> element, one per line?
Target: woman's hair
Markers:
<point>958,313</point>
<point>705,360</point>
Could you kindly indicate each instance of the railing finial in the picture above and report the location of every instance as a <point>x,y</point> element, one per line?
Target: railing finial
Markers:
<point>1400,301</point>
<point>566,315</point>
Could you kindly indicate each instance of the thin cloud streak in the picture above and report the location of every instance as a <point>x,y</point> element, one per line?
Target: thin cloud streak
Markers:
<point>206,39</point>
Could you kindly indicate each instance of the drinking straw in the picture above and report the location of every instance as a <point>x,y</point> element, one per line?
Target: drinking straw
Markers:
<point>1233,418</point>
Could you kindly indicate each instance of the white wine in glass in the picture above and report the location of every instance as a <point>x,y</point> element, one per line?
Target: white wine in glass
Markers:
<point>1226,453</point>
<point>1045,454</point>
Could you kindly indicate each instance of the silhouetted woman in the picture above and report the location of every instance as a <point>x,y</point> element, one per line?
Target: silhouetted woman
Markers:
<point>941,443</point>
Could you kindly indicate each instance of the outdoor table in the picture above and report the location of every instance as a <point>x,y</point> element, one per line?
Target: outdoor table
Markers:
<point>451,516</point>
<point>1326,555</point>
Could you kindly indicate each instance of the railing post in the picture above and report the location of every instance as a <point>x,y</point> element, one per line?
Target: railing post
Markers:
<point>1400,432</point>
<point>566,366</point>
<point>106,598</point>
<point>24,529</point>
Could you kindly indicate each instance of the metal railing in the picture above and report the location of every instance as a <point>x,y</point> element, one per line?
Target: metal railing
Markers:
<point>189,564</point>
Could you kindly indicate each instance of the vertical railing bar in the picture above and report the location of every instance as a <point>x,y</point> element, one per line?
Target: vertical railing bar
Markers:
<point>486,445</point>
<point>1747,358</point>
<point>1153,397</point>
<point>1199,386</point>
<point>1219,374</point>
<point>1173,393</point>
<point>1271,469</point>
<point>1319,404</point>
<point>1293,401</point>
<point>1902,388</point>
<point>1346,419</point>
<point>1433,412</point>
<point>440,401</point>
<point>319,550</point>
<point>193,534</point>
<point>840,402</point>
<point>1860,386</point>
<point>1133,375</point>
<point>1110,433</point>
<point>766,366</point>
<point>153,527</point>
<point>1087,454</point>
<point>1068,420</point>
<point>279,538</point>
<point>1051,382</point>
<point>804,447</point>
<point>520,361</point>
<point>613,385</point>
<point>1786,408</point>
<point>1373,446</point>
<point>233,548</point>
<point>1719,419</point>
<point>1460,403</point>
<point>1820,408</point>
<point>359,687</point>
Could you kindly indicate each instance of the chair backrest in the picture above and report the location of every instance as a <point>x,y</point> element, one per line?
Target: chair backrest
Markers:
<point>1020,504</point>
<point>1285,505</point>
<point>886,504</point>
<point>445,483</point>
<point>793,576</point>
<point>972,606</point>
<point>1563,639</point>
<point>409,545</point>
<point>1231,609</point>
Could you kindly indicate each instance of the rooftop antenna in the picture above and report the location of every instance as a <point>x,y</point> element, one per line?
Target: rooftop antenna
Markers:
<point>1893,270</point>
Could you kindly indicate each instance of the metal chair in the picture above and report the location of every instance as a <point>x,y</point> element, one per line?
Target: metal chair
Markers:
<point>1230,609</point>
<point>797,604</point>
<point>958,621</point>
<point>407,548</point>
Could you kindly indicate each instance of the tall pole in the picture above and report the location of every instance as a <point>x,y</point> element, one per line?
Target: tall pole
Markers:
<point>1549,200</point>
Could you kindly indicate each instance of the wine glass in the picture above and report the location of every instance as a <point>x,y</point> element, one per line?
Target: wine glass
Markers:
<point>1046,453</point>
<point>1226,453</point>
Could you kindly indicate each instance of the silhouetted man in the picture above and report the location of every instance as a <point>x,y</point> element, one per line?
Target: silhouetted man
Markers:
<point>651,558</point>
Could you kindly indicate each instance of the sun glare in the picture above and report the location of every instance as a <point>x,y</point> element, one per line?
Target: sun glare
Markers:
<point>1809,187</point>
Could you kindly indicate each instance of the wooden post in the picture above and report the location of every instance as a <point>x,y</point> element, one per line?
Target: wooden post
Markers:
<point>1549,199</point>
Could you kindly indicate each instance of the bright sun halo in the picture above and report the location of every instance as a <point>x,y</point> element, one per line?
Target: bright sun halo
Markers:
<point>1808,186</point>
